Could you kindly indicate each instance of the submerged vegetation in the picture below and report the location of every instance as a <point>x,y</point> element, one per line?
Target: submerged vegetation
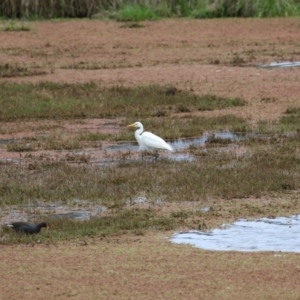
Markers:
<point>148,10</point>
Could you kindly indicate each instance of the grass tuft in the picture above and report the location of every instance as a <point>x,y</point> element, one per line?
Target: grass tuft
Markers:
<point>215,174</point>
<point>211,102</point>
<point>136,220</point>
<point>134,13</point>
<point>132,25</point>
<point>243,8</point>
<point>293,110</point>
<point>148,10</point>
<point>56,101</point>
<point>95,136</point>
<point>15,26</point>
<point>15,69</point>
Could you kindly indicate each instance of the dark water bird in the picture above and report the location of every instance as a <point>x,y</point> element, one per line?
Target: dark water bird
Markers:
<point>27,228</point>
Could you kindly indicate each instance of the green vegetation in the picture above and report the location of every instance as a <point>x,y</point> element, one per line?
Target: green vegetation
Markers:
<point>95,136</point>
<point>150,9</point>
<point>136,13</point>
<point>291,121</point>
<point>293,110</point>
<point>136,220</point>
<point>99,66</point>
<point>15,69</point>
<point>51,100</point>
<point>244,8</point>
<point>269,167</point>
<point>132,25</point>
<point>15,26</point>
<point>288,123</point>
<point>168,128</point>
<point>174,128</point>
<point>20,147</point>
<point>212,174</point>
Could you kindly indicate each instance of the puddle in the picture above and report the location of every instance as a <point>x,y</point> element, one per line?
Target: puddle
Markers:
<point>182,144</point>
<point>144,200</point>
<point>7,141</point>
<point>76,215</point>
<point>181,157</point>
<point>10,160</point>
<point>133,148</point>
<point>205,209</point>
<point>286,64</point>
<point>77,209</point>
<point>123,147</point>
<point>278,234</point>
<point>201,141</point>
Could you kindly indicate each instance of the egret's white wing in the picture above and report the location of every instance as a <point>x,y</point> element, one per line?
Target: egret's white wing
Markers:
<point>154,142</point>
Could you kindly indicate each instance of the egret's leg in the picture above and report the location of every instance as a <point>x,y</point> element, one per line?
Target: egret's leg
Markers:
<point>156,155</point>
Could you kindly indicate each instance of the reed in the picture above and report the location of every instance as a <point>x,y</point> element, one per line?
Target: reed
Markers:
<point>147,9</point>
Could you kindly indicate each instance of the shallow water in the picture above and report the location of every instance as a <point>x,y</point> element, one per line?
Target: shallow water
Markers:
<point>80,215</point>
<point>123,146</point>
<point>181,144</point>
<point>285,64</point>
<point>278,234</point>
<point>201,141</point>
<point>8,141</point>
<point>181,157</point>
<point>80,210</point>
<point>131,148</point>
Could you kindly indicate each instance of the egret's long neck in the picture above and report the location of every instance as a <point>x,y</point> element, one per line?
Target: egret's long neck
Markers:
<point>138,133</point>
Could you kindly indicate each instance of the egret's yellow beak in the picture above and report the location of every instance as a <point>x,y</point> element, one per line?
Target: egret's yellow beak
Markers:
<point>131,125</point>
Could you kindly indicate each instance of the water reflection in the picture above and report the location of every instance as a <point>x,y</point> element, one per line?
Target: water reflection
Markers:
<point>278,234</point>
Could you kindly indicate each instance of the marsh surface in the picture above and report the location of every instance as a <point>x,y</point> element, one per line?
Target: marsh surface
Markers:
<point>58,155</point>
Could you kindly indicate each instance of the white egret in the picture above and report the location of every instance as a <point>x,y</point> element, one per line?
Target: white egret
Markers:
<point>148,140</point>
